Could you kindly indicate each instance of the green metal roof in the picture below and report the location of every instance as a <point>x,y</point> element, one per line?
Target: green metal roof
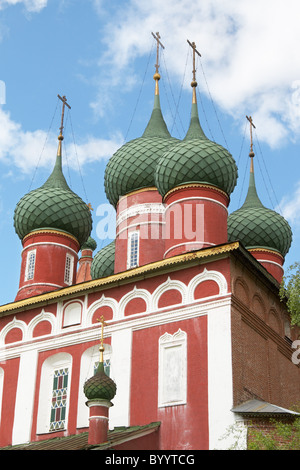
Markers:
<point>118,435</point>
<point>132,167</point>
<point>196,159</point>
<point>258,227</point>
<point>103,262</point>
<point>53,205</point>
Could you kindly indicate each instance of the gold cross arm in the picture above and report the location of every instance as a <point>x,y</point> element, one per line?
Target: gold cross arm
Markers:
<point>193,46</point>
<point>64,102</point>
<point>251,125</point>
<point>157,38</point>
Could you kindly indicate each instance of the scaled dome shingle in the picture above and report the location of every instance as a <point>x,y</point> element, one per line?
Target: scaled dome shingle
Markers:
<point>258,227</point>
<point>133,166</point>
<point>104,262</point>
<point>53,205</point>
<point>196,159</point>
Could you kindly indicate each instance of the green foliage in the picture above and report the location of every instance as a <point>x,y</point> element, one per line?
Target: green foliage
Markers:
<point>290,291</point>
<point>281,436</point>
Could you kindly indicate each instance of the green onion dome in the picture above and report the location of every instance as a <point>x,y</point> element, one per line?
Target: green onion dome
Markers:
<point>103,262</point>
<point>258,227</point>
<point>100,386</point>
<point>54,205</point>
<point>90,244</point>
<point>196,159</point>
<point>132,167</point>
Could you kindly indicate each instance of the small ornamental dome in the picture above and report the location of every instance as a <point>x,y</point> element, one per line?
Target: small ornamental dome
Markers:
<point>100,386</point>
<point>258,227</point>
<point>53,205</point>
<point>196,160</point>
<point>132,167</point>
<point>90,244</point>
<point>103,262</point>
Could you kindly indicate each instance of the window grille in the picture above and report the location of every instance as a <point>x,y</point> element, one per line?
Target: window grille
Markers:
<point>133,255</point>
<point>69,269</point>
<point>59,399</point>
<point>30,265</point>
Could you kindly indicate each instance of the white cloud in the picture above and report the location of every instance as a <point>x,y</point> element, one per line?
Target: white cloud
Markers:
<point>290,207</point>
<point>249,54</point>
<point>33,6</point>
<point>26,150</point>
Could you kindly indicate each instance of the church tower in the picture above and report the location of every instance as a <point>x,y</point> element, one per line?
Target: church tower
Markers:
<point>264,232</point>
<point>195,178</point>
<point>53,223</point>
<point>130,188</point>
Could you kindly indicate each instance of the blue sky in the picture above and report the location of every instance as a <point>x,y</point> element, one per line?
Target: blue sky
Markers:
<point>101,55</point>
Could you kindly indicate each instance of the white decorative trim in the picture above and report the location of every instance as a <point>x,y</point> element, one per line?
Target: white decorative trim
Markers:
<point>118,308</point>
<point>133,322</point>
<point>197,198</point>
<point>172,369</point>
<point>168,285</point>
<point>40,284</point>
<point>139,224</point>
<point>196,242</point>
<point>140,209</point>
<point>207,275</point>
<point>10,326</point>
<point>269,261</point>
<point>105,418</point>
<point>43,316</point>
<point>50,243</point>
<point>134,294</point>
<point>102,302</point>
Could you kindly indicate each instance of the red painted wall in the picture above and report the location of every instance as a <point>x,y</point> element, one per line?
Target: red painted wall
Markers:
<point>11,370</point>
<point>191,428</point>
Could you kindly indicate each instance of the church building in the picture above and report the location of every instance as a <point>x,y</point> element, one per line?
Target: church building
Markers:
<point>170,335</point>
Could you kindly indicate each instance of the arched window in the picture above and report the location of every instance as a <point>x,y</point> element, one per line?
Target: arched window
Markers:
<point>54,393</point>
<point>69,269</point>
<point>30,264</point>
<point>133,250</point>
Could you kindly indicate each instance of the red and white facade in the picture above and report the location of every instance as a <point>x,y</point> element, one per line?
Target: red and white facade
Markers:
<point>194,327</point>
<point>179,339</point>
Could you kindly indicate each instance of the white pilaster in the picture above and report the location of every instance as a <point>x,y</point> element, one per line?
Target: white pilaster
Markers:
<point>121,342</point>
<point>25,397</point>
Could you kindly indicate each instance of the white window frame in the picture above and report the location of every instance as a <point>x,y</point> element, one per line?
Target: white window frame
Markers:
<point>57,361</point>
<point>172,369</point>
<point>30,265</point>
<point>130,262</point>
<point>68,277</point>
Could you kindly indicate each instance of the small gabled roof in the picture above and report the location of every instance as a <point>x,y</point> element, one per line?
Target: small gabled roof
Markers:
<point>262,408</point>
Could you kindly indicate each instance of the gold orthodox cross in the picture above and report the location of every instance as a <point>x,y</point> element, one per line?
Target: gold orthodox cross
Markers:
<point>193,46</point>
<point>64,102</point>
<point>157,38</point>
<point>101,348</point>
<point>251,125</point>
<point>251,154</point>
